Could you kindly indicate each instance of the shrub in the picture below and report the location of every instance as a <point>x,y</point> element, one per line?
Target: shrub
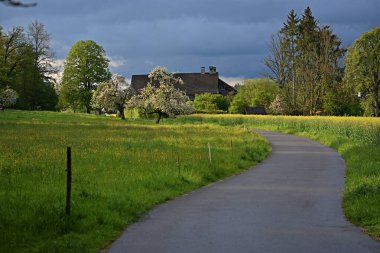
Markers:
<point>254,92</point>
<point>210,102</point>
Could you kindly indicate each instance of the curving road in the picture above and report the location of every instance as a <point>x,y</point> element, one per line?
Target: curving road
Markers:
<point>289,203</point>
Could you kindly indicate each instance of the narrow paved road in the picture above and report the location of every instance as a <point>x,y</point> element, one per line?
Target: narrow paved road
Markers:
<point>289,203</point>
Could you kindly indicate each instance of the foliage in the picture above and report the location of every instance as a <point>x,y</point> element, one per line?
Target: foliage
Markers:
<point>121,169</point>
<point>160,96</point>
<point>356,138</point>
<point>254,92</point>
<point>277,106</point>
<point>8,98</point>
<point>210,102</point>
<point>25,66</point>
<point>238,104</point>
<point>342,102</point>
<point>359,129</point>
<point>304,61</point>
<point>363,69</point>
<point>113,95</point>
<point>86,66</point>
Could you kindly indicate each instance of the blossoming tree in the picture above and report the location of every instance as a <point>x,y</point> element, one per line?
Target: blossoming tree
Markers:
<point>161,97</point>
<point>113,95</point>
<point>8,98</point>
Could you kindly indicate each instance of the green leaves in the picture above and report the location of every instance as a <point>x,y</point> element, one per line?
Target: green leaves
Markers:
<point>210,102</point>
<point>86,66</point>
<point>254,92</point>
<point>363,69</point>
<point>304,62</point>
<point>25,66</point>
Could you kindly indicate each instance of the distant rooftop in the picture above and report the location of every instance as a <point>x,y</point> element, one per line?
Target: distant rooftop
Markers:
<point>193,83</point>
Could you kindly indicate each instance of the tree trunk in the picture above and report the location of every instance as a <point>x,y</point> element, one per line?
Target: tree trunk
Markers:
<point>122,115</point>
<point>376,96</point>
<point>158,118</point>
<point>293,76</point>
<point>88,109</point>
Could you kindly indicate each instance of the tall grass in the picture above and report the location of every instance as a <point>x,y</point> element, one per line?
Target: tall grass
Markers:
<point>359,129</point>
<point>120,170</point>
<point>357,139</point>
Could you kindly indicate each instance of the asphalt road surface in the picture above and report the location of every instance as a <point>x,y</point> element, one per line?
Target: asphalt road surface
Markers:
<point>290,203</point>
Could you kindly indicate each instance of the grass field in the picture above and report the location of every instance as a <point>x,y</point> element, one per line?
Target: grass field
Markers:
<point>120,170</point>
<point>357,139</point>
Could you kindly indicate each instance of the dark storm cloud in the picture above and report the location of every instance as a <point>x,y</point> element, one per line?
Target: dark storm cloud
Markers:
<point>186,34</point>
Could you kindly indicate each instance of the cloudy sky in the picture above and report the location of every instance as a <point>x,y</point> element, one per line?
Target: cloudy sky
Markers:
<point>184,35</point>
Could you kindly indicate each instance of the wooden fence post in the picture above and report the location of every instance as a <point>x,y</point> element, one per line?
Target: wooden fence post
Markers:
<point>232,149</point>
<point>178,164</point>
<point>68,188</point>
<point>209,153</point>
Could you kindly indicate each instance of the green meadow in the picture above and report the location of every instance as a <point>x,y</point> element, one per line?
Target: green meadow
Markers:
<point>121,169</point>
<point>357,139</point>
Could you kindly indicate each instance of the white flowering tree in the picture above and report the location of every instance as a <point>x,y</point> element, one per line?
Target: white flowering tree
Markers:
<point>113,95</point>
<point>277,106</point>
<point>161,97</point>
<point>8,98</point>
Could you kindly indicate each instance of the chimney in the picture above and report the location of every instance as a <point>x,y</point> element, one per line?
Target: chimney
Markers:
<point>212,70</point>
<point>203,70</point>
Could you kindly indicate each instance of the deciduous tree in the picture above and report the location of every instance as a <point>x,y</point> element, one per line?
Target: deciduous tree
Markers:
<point>161,97</point>
<point>24,67</point>
<point>40,40</point>
<point>363,67</point>
<point>113,95</point>
<point>277,106</point>
<point>277,61</point>
<point>254,92</point>
<point>86,66</point>
<point>8,98</point>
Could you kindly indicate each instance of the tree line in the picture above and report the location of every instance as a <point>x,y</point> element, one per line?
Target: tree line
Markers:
<point>25,66</point>
<point>306,62</point>
<point>87,85</point>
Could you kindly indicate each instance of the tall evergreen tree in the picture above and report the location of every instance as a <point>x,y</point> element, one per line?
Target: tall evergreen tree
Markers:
<point>290,32</point>
<point>311,56</point>
<point>307,72</point>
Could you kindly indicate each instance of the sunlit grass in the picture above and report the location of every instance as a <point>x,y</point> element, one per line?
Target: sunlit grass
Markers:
<point>120,170</point>
<point>357,139</point>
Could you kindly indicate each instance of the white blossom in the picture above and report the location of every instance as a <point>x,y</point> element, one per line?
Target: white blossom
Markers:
<point>161,97</point>
<point>8,97</point>
<point>113,94</point>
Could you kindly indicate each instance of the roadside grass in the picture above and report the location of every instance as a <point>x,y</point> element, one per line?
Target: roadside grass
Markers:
<point>357,139</point>
<point>120,171</point>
